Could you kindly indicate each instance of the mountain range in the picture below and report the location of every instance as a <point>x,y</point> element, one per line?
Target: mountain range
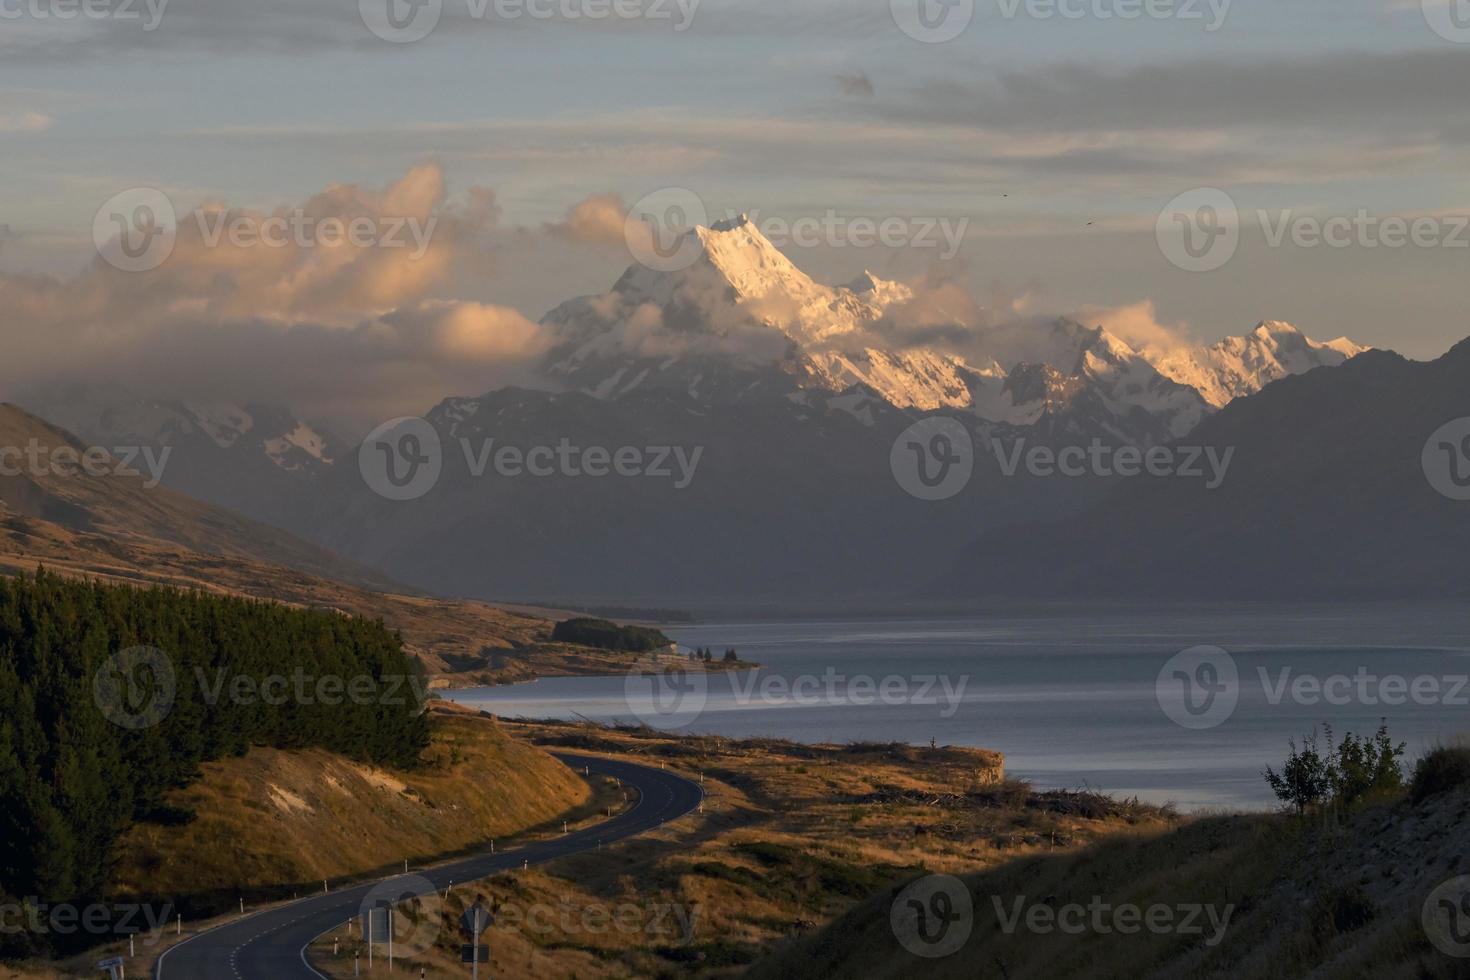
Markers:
<point>1329,495</point>
<point>793,393</point>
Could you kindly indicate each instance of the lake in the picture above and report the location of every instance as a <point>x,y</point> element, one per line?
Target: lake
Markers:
<point>1101,698</point>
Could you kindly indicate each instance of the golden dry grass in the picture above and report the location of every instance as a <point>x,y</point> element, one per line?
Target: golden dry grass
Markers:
<point>274,818</point>
<point>791,837</point>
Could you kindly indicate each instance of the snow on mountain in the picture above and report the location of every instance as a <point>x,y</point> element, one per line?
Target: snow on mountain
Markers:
<point>1239,366</point>
<point>743,309</point>
<point>113,416</point>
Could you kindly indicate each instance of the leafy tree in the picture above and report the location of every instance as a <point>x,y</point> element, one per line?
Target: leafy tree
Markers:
<point>1305,780</point>
<point>1342,775</point>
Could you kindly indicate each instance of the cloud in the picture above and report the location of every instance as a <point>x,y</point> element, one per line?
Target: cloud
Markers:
<point>341,331</point>
<point>24,122</point>
<point>1137,324</point>
<point>595,220</point>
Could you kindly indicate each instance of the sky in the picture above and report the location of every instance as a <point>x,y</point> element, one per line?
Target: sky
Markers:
<point>1069,139</point>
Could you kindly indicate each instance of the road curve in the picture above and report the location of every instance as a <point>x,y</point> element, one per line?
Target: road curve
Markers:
<point>270,945</point>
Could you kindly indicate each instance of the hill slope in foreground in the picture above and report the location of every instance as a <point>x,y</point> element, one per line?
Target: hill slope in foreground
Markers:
<point>1266,896</point>
<point>273,818</point>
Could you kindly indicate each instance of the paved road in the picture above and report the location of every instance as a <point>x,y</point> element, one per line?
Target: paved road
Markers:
<point>270,945</point>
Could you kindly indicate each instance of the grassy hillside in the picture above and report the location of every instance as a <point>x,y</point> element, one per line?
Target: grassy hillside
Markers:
<point>273,819</point>
<point>1298,897</point>
<point>123,505</point>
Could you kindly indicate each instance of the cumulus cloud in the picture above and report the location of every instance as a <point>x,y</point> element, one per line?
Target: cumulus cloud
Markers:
<point>595,220</point>
<point>332,328</point>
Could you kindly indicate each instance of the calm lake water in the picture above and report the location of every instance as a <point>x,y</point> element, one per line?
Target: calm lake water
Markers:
<point>1073,699</point>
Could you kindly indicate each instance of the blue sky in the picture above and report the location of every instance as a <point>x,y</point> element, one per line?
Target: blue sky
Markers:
<point>1028,127</point>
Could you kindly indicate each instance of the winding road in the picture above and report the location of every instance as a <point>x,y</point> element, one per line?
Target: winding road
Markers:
<point>271,945</point>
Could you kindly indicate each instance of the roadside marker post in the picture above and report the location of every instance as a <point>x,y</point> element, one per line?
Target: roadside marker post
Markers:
<point>474,922</point>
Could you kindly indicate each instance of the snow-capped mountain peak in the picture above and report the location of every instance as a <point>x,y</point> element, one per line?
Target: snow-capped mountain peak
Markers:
<point>740,306</point>
<point>1238,366</point>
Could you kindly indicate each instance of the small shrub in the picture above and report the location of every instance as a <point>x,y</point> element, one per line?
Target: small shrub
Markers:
<point>1441,770</point>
